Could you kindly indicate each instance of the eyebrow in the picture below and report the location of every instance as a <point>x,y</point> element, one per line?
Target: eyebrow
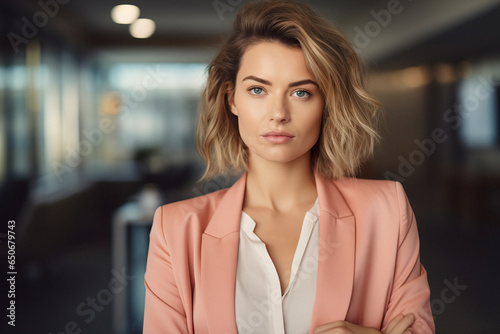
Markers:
<point>292,84</point>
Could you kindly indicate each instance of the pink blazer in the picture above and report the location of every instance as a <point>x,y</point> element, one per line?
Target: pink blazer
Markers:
<point>369,266</point>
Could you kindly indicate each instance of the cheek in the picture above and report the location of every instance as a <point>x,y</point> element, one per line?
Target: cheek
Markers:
<point>248,119</point>
<point>245,125</point>
<point>314,124</point>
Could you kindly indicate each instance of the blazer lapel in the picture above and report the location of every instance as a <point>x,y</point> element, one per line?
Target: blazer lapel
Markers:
<point>336,255</point>
<point>219,256</point>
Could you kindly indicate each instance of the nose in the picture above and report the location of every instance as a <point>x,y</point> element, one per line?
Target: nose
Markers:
<point>279,111</point>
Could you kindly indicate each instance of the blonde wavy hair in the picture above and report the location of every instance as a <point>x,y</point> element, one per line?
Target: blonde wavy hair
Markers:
<point>349,124</point>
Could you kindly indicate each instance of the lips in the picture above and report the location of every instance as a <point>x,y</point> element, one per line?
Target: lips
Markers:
<point>278,137</point>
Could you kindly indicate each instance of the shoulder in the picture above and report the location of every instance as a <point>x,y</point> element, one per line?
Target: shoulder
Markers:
<point>187,215</point>
<point>197,205</point>
<point>382,200</point>
<point>367,190</point>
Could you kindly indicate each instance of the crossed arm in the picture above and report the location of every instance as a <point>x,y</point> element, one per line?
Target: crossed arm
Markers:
<point>399,325</point>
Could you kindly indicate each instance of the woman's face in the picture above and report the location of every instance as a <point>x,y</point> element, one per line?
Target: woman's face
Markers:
<point>278,103</point>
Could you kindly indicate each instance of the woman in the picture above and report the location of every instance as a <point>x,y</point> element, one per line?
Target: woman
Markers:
<point>297,244</point>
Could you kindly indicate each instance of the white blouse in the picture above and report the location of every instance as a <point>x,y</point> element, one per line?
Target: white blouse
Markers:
<point>259,305</point>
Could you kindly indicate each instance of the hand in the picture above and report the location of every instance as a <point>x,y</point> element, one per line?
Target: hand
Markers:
<point>399,325</point>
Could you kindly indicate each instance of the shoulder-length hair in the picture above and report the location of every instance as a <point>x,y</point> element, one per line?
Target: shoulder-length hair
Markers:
<point>348,131</point>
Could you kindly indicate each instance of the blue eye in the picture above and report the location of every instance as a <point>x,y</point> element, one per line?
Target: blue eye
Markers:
<point>256,90</point>
<point>302,93</point>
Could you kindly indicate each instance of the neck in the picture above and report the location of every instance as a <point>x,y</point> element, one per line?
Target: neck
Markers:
<point>280,186</point>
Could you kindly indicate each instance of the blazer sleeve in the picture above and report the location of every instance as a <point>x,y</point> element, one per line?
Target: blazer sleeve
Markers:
<point>410,292</point>
<point>163,309</point>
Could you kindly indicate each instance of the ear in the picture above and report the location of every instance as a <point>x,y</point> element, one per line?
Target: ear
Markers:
<point>230,98</point>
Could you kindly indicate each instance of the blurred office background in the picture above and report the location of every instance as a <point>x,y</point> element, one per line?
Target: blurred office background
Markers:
<point>97,128</point>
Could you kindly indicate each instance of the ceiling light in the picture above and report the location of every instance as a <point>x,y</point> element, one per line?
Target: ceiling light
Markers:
<point>142,28</point>
<point>125,14</point>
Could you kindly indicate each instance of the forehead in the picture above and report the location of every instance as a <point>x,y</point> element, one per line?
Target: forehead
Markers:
<point>274,59</point>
